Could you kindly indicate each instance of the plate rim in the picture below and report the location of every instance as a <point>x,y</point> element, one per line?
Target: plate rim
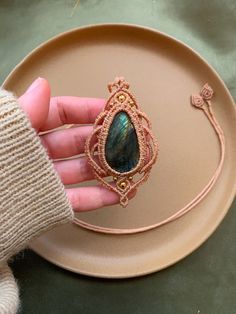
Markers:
<point>98,25</point>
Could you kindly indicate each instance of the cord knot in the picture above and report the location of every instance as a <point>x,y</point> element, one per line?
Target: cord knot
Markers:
<point>206,94</point>
<point>197,101</point>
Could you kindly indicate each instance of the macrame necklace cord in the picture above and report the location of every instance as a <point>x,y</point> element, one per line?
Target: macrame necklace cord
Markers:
<point>201,101</point>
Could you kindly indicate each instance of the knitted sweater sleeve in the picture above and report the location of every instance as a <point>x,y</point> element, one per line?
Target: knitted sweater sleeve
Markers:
<point>32,197</point>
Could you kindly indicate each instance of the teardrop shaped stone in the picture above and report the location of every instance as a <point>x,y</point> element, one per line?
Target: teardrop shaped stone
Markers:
<point>122,148</point>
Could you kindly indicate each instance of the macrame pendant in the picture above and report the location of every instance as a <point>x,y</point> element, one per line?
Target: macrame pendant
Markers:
<point>121,146</point>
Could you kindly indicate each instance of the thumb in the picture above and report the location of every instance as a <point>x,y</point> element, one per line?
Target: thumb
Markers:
<point>35,102</point>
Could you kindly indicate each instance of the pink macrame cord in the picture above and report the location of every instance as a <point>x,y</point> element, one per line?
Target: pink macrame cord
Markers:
<point>202,102</point>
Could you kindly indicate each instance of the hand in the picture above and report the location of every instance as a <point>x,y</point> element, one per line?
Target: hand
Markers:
<point>47,113</point>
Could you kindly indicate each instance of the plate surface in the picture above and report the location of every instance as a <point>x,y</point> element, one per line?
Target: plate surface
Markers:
<point>163,73</point>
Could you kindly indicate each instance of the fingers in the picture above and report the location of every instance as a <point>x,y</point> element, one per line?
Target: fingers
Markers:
<point>45,113</point>
<point>72,110</point>
<point>67,142</point>
<point>35,102</point>
<point>92,197</point>
<point>74,171</point>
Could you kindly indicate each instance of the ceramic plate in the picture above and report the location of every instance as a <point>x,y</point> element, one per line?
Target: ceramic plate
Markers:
<point>163,73</point>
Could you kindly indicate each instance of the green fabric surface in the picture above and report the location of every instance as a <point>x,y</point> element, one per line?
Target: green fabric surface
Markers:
<point>205,281</point>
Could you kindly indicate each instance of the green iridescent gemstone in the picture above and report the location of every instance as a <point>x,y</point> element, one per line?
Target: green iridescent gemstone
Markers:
<point>122,148</point>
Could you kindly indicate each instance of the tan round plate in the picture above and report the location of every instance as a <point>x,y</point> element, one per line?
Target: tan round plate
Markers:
<point>163,73</point>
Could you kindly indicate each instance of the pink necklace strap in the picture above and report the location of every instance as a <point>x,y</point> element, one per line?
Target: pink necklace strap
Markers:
<point>200,101</point>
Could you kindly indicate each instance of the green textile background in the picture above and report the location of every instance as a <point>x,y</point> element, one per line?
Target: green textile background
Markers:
<point>205,281</point>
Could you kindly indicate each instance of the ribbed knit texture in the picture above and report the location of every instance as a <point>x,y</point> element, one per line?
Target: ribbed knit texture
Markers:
<point>9,294</point>
<point>32,197</point>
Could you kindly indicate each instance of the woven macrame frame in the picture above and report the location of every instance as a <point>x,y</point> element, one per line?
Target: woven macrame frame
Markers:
<point>123,183</point>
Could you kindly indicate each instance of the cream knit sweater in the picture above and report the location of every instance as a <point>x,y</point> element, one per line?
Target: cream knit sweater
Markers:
<point>32,197</point>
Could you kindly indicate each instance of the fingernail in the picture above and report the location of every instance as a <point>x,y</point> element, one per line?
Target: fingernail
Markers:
<point>34,84</point>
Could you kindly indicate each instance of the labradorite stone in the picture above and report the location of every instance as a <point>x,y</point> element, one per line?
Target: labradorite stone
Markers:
<point>121,148</point>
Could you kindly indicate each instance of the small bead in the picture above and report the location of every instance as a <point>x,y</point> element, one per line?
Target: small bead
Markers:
<point>123,185</point>
<point>121,98</point>
<point>115,178</point>
<point>130,178</point>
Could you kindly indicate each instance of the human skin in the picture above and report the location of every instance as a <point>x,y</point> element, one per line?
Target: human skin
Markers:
<point>46,113</point>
